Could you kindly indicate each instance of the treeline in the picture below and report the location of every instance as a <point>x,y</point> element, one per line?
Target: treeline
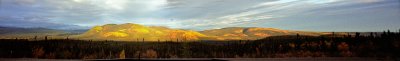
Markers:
<point>386,44</point>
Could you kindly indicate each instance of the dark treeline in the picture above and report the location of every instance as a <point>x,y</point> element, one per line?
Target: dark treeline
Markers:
<point>382,45</point>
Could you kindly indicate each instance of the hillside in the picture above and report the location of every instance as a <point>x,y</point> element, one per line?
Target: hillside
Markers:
<point>252,33</point>
<point>135,32</point>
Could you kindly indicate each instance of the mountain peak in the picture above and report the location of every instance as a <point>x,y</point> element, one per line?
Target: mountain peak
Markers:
<point>131,32</point>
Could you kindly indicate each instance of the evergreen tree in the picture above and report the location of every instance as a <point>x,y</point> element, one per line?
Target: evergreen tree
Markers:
<point>383,34</point>
<point>348,35</point>
<point>45,37</point>
<point>67,37</point>
<point>371,34</point>
<point>297,36</point>
<point>388,32</point>
<point>35,38</point>
<point>357,34</point>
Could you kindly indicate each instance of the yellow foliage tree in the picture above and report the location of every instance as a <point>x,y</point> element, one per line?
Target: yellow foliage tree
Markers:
<point>150,54</point>
<point>122,54</point>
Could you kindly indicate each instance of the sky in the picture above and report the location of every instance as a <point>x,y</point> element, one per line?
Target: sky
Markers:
<point>307,15</point>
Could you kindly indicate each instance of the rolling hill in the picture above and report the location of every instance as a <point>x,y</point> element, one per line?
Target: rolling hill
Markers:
<point>136,32</point>
<point>251,33</point>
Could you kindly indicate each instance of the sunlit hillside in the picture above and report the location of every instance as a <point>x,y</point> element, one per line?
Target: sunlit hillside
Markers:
<point>135,32</point>
<point>252,33</point>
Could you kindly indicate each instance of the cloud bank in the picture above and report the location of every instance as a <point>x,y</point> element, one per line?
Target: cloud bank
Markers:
<point>320,15</point>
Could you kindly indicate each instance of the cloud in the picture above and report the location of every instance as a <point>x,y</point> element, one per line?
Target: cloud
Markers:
<point>188,14</point>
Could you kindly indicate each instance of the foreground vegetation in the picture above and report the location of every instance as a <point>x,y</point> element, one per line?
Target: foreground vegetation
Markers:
<point>384,45</point>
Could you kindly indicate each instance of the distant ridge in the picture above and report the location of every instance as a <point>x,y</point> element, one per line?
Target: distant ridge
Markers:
<point>27,33</point>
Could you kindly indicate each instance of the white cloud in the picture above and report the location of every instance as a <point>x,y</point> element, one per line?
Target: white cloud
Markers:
<point>278,2</point>
<point>78,1</point>
<point>115,4</point>
<point>224,21</point>
<point>369,1</point>
<point>323,1</point>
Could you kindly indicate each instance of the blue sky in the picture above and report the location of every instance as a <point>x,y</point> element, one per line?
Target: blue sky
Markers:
<point>308,15</point>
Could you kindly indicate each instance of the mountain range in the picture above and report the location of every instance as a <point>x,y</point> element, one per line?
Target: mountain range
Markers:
<point>136,32</point>
<point>40,33</point>
<point>26,33</point>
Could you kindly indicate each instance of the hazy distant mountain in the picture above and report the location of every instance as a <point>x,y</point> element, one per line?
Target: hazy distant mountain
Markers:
<point>15,32</point>
<point>133,32</point>
<point>252,33</point>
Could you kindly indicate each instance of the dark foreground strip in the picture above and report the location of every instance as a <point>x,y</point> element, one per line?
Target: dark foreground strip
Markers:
<point>158,60</point>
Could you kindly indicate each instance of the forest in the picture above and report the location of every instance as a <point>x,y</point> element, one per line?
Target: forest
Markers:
<point>381,45</point>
